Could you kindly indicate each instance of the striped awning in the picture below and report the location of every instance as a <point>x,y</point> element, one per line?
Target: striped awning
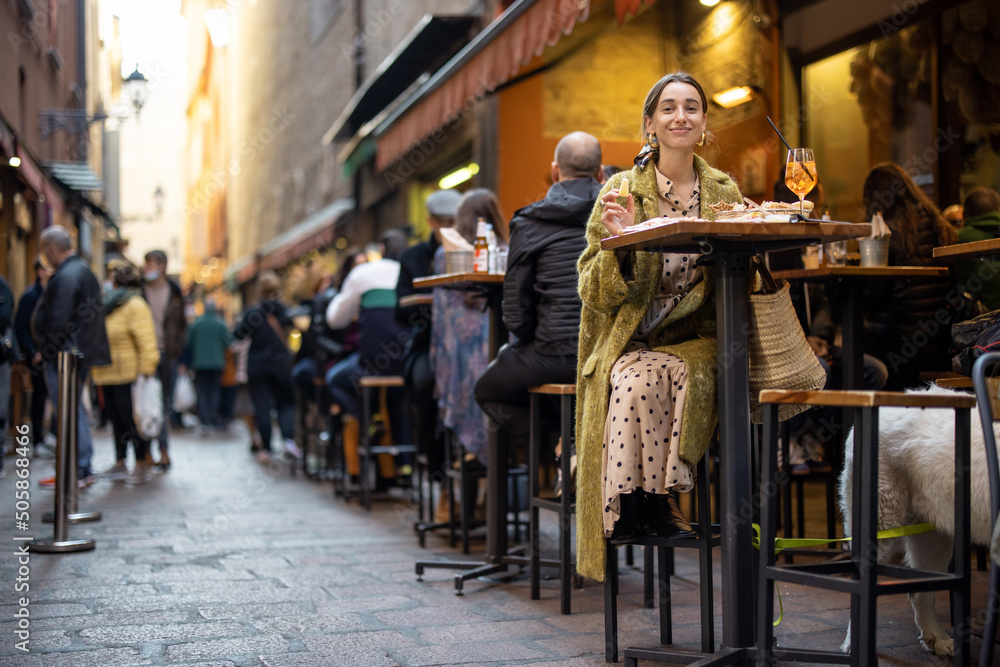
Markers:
<point>75,176</point>
<point>491,59</point>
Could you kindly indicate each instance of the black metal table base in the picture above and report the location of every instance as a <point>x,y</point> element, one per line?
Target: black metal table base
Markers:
<point>725,656</point>
<point>476,569</point>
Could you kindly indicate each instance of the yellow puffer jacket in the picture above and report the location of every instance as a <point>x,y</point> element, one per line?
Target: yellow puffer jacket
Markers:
<point>132,341</point>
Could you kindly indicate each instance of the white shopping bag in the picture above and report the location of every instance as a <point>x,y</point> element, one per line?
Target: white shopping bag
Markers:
<point>184,396</point>
<point>147,405</point>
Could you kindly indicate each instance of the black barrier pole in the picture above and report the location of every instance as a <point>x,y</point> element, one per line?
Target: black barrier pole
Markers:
<point>65,492</point>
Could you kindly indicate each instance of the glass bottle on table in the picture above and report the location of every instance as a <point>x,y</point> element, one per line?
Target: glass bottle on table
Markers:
<point>800,173</point>
<point>481,249</point>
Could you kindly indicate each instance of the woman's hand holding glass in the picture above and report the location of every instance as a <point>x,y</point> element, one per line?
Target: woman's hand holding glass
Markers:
<point>615,216</point>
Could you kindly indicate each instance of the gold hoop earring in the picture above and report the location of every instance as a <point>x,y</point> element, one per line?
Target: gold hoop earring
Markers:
<point>652,140</point>
<point>702,142</point>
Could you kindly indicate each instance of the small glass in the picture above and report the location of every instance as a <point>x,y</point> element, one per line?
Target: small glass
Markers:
<point>501,265</point>
<point>836,253</point>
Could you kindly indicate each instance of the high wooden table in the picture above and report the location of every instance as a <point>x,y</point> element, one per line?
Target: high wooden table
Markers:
<point>498,559</point>
<point>730,245</point>
<point>990,248</point>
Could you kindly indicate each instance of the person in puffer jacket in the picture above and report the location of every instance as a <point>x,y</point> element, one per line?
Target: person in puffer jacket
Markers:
<point>134,352</point>
<point>541,305</point>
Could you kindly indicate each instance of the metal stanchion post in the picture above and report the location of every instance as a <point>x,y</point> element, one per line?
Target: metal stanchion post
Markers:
<point>66,488</point>
<point>73,514</point>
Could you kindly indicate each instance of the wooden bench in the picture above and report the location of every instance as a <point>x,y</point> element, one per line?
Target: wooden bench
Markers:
<point>865,578</point>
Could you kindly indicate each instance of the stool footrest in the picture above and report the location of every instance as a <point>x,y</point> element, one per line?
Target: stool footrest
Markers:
<point>829,576</point>
<point>811,655</point>
<point>551,505</point>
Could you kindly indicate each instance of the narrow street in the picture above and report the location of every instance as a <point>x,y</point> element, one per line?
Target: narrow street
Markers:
<point>221,561</point>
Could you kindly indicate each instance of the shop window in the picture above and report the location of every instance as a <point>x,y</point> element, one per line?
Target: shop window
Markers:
<point>868,105</point>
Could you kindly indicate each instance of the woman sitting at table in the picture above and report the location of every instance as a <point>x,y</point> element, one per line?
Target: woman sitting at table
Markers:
<point>460,335</point>
<point>647,366</point>
<point>908,321</point>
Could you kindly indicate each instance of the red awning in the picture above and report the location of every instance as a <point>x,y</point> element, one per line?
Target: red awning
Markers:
<point>497,58</point>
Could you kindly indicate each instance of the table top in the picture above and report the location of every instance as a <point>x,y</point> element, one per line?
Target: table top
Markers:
<point>689,233</point>
<point>862,272</point>
<point>416,300</point>
<point>970,249</point>
<point>456,278</point>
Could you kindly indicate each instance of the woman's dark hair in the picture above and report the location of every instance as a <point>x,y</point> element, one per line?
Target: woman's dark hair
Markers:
<point>653,96</point>
<point>348,263</point>
<point>124,274</point>
<point>475,204</point>
<point>889,190</point>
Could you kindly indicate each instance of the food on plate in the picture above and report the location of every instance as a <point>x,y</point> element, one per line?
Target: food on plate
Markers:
<point>727,206</point>
<point>807,206</point>
<point>623,188</point>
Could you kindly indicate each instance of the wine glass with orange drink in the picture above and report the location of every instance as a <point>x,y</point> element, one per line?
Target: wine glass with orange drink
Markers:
<point>800,173</point>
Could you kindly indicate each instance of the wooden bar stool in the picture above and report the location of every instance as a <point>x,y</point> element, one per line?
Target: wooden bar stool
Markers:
<point>564,507</point>
<point>708,536</point>
<point>368,450</point>
<point>865,578</point>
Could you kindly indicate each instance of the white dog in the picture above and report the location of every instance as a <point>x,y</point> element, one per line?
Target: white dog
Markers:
<point>915,472</point>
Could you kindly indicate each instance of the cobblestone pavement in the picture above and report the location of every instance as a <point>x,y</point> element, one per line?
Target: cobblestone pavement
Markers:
<point>221,561</point>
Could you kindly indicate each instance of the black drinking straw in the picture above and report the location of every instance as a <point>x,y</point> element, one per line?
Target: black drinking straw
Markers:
<point>780,136</point>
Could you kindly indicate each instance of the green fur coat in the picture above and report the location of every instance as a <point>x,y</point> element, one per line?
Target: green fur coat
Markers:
<point>612,309</point>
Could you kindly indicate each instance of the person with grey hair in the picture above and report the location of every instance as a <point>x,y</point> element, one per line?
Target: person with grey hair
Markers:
<point>418,262</point>
<point>70,317</point>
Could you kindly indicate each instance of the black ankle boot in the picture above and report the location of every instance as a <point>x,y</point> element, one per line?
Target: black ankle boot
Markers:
<point>630,523</point>
<point>666,517</point>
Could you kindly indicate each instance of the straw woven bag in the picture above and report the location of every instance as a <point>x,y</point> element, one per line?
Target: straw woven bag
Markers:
<point>780,356</point>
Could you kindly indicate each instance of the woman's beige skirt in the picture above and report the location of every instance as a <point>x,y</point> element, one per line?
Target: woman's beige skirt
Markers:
<point>642,432</point>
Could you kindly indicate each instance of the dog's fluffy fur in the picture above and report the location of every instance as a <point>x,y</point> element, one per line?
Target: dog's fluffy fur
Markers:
<point>915,473</point>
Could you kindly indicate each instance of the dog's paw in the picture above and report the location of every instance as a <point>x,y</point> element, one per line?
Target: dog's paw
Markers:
<point>938,645</point>
<point>846,646</point>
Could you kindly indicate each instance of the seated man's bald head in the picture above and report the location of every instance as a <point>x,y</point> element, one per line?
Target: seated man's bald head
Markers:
<point>578,155</point>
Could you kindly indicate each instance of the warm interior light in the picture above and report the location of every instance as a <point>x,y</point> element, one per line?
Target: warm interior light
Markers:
<point>710,3</point>
<point>14,161</point>
<point>733,96</point>
<point>458,176</point>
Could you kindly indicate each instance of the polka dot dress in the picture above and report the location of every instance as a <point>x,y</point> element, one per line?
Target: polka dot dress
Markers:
<point>679,270</point>
<point>642,432</point>
<point>648,389</point>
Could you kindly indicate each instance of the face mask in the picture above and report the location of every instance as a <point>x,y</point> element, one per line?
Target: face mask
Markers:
<point>150,276</point>
<point>108,286</point>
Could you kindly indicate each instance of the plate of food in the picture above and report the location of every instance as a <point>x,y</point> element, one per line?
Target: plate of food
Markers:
<point>732,212</point>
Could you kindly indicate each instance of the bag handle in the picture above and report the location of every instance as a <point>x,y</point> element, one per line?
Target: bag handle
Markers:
<point>770,286</point>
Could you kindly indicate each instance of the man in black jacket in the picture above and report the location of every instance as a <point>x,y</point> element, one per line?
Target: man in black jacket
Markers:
<point>540,301</point>
<point>33,356</point>
<point>70,316</point>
